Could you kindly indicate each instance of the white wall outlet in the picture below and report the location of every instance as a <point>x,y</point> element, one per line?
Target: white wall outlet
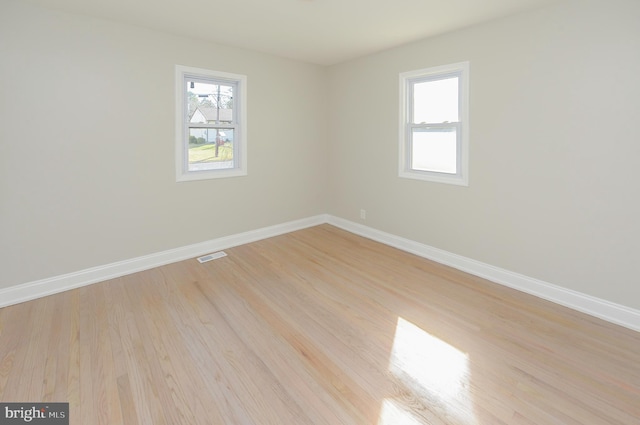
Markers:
<point>363,214</point>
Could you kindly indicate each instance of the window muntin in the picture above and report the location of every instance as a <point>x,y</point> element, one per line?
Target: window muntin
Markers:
<point>433,124</point>
<point>211,127</point>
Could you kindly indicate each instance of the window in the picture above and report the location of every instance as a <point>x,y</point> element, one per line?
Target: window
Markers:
<point>434,130</point>
<point>211,121</point>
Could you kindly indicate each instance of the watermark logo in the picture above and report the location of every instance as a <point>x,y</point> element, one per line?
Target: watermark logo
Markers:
<point>34,413</point>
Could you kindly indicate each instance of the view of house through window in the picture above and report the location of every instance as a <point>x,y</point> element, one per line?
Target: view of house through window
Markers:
<point>210,145</point>
<point>211,123</point>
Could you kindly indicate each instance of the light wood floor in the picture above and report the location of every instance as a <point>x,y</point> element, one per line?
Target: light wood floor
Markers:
<point>316,327</point>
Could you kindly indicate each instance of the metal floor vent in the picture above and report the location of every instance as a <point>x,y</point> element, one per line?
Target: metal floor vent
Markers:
<point>213,256</point>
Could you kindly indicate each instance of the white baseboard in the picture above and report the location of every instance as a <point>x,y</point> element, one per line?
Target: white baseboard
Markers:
<point>593,306</point>
<point>41,288</point>
<point>611,312</point>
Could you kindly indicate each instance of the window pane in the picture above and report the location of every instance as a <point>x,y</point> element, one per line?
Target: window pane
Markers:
<point>435,101</point>
<point>434,150</point>
<point>209,102</point>
<point>210,149</point>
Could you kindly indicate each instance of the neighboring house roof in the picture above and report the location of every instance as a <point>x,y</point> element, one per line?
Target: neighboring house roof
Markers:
<point>211,114</point>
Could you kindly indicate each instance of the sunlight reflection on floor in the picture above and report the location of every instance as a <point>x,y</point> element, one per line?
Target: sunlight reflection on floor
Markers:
<point>392,413</point>
<point>432,379</point>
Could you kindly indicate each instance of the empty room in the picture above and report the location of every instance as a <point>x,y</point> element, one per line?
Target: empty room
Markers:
<point>320,212</point>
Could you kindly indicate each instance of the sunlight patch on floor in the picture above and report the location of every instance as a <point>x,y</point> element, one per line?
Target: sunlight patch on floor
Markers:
<point>431,380</point>
<point>394,413</point>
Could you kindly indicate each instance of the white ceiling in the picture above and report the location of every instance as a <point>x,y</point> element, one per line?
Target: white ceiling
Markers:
<point>318,31</point>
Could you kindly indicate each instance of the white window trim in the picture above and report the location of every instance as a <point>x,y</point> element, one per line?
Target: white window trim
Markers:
<point>405,171</point>
<point>181,138</point>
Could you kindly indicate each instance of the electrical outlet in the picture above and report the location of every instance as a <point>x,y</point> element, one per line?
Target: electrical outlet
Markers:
<point>363,214</point>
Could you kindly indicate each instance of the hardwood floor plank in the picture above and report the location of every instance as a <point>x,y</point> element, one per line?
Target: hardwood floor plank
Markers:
<point>127,405</point>
<point>316,327</point>
<point>71,385</point>
<point>88,335</point>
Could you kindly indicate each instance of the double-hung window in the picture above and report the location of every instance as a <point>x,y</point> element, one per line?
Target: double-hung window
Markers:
<point>211,124</point>
<point>434,130</point>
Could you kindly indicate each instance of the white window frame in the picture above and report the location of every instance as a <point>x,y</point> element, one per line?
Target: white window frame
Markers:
<point>407,81</point>
<point>239,125</point>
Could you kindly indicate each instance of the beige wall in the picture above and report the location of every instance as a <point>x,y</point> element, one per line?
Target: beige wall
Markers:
<point>554,188</point>
<point>87,173</point>
<point>555,146</point>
